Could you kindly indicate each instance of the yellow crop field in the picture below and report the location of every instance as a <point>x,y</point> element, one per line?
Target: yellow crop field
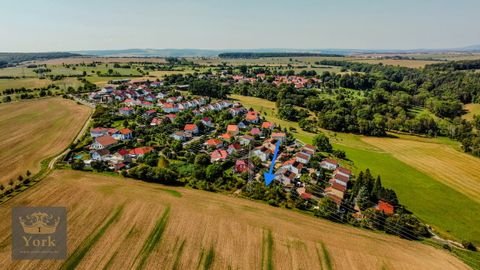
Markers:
<point>35,130</point>
<point>150,226</point>
<point>442,162</point>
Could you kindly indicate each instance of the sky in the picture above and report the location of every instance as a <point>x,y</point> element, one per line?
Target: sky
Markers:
<point>59,25</point>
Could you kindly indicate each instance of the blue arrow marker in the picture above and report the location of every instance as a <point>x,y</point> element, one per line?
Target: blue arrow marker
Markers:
<point>269,176</point>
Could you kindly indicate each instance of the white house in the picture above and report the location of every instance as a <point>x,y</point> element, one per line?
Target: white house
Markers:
<point>329,164</point>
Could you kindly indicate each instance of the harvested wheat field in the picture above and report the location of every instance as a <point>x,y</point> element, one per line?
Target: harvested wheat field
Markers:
<point>116,223</point>
<point>35,130</point>
<point>457,170</point>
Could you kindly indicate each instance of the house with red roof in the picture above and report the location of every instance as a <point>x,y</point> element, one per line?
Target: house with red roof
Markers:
<point>252,117</point>
<point>170,107</point>
<point>213,143</point>
<point>385,207</point>
<point>233,130</point>
<point>126,111</point>
<point>336,192</point>
<point>140,151</point>
<point>340,179</point>
<point>171,117</point>
<point>103,142</point>
<point>192,128</point>
<point>218,155</point>
<point>233,148</point>
<point>281,136</point>
<point>156,121</point>
<point>268,125</point>
<point>226,136</point>
<point>255,131</point>
<point>302,157</point>
<point>123,134</point>
<point>241,166</point>
<point>293,166</point>
<point>342,171</point>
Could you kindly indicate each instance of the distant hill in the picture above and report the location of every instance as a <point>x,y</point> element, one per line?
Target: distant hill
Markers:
<point>9,59</point>
<point>253,55</point>
<point>151,53</point>
<point>258,52</point>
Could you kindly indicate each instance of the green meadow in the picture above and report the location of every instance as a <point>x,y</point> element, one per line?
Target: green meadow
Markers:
<point>448,211</point>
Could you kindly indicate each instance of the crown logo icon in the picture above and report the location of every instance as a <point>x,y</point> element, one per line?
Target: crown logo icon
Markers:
<point>39,223</point>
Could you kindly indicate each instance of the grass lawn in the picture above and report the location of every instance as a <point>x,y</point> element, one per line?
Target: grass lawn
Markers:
<point>447,210</point>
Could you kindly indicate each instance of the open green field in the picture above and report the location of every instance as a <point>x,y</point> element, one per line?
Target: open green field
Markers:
<point>440,205</point>
<point>27,83</point>
<point>116,223</point>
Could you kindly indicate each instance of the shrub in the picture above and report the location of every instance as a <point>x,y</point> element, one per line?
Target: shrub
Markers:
<point>469,245</point>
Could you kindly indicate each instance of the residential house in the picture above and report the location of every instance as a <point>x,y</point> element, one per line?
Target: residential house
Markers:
<point>126,111</point>
<point>156,121</point>
<point>103,142</point>
<point>342,171</point>
<point>99,131</point>
<point>252,117</point>
<point>226,136</point>
<point>233,130</point>
<point>149,114</point>
<point>100,154</point>
<point>340,179</point>
<point>213,143</point>
<point>123,134</point>
<point>335,191</point>
<point>281,136</point>
<point>262,152</point>
<point>241,166</point>
<point>242,125</point>
<point>171,117</point>
<point>246,140</point>
<point>285,176</point>
<point>179,136</point>
<point>237,111</point>
<point>385,207</point>
<point>170,108</point>
<point>207,121</point>
<point>234,148</point>
<point>302,157</point>
<point>192,128</point>
<point>268,125</point>
<point>218,155</point>
<point>140,151</point>
<point>255,131</point>
<point>329,164</point>
<point>293,166</point>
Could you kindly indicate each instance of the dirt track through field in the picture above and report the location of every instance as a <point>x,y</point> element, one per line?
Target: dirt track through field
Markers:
<point>204,229</point>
